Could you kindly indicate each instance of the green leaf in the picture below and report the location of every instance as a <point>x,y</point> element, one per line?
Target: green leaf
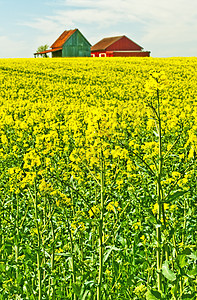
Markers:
<point>2,266</point>
<point>167,273</point>
<point>90,283</point>
<point>193,255</point>
<point>186,251</point>
<point>76,288</point>
<point>85,295</point>
<point>182,261</point>
<point>67,254</point>
<point>156,134</point>
<point>108,252</point>
<point>157,225</point>
<point>146,170</point>
<point>176,195</point>
<point>193,272</point>
<point>116,266</point>
<point>188,296</point>
<point>152,295</point>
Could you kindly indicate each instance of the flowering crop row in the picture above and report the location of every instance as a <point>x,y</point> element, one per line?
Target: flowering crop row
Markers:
<point>95,154</point>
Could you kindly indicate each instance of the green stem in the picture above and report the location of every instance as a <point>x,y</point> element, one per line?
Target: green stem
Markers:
<point>184,223</point>
<point>100,276</point>
<point>52,259</point>
<point>44,256</point>
<point>181,282</point>
<point>82,253</point>
<point>17,238</point>
<point>72,254</point>
<point>159,200</point>
<point>1,231</point>
<point>39,245</point>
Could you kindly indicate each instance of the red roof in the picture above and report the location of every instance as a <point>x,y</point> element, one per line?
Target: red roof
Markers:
<point>47,51</point>
<point>113,43</point>
<point>105,43</point>
<point>63,38</point>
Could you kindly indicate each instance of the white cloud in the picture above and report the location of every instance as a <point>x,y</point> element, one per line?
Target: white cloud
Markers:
<point>152,9</point>
<point>47,30</point>
<point>45,25</point>
<point>166,22</point>
<point>176,14</point>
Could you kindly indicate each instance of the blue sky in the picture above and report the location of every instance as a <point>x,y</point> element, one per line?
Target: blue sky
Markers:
<point>164,27</point>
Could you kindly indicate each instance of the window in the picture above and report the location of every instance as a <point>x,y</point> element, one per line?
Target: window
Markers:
<point>102,54</point>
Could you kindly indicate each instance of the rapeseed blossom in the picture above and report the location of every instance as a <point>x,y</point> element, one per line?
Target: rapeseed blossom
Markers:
<point>113,206</point>
<point>155,207</point>
<point>64,125</point>
<point>75,131</point>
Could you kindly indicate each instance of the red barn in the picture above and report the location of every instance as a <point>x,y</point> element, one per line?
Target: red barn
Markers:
<point>117,46</point>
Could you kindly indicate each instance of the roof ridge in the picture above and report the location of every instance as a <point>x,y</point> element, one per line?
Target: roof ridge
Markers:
<point>116,38</point>
<point>106,43</point>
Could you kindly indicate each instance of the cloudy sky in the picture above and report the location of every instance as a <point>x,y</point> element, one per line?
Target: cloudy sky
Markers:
<point>164,27</point>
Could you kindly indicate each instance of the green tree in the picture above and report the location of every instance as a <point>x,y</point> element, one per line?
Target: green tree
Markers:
<point>41,49</point>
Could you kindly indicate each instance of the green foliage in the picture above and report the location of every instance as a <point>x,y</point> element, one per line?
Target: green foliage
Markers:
<point>167,272</point>
<point>41,49</point>
<point>153,295</point>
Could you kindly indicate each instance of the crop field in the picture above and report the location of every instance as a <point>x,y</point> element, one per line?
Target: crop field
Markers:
<point>98,187</point>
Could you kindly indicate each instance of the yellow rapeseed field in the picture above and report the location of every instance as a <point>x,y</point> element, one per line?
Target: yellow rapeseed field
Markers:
<point>85,143</point>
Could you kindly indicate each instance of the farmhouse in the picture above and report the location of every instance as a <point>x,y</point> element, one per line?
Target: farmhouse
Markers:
<point>117,46</point>
<point>71,43</point>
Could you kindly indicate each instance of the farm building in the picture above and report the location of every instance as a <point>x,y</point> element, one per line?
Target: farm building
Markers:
<point>117,46</point>
<point>71,43</point>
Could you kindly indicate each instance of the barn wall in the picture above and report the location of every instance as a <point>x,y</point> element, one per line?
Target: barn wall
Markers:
<point>124,44</point>
<point>120,54</point>
<point>132,54</point>
<point>98,53</point>
<point>57,53</point>
<point>76,46</point>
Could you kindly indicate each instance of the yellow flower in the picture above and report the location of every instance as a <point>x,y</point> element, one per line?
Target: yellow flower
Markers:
<point>155,207</point>
<point>137,225</point>
<point>173,207</point>
<point>94,211</point>
<point>166,206</point>
<point>140,291</point>
<point>4,139</point>
<point>181,245</point>
<point>45,186</point>
<point>113,206</point>
<point>176,174</point>
<point>78,226</point>
<point>143,238</point>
